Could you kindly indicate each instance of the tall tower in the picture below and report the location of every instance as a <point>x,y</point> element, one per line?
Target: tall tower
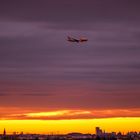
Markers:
<point>4,132</point>
<point>98,131</point>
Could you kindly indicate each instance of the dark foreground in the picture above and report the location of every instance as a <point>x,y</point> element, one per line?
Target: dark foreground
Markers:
<point>73,136</point>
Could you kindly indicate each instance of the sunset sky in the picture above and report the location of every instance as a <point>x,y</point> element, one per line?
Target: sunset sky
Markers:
<point>61,86</point>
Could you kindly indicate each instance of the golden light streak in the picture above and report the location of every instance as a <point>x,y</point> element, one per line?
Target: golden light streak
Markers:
<point>42,114</point>
<point>58,113</point>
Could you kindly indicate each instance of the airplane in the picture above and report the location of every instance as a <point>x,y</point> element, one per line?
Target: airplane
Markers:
<point>76,40</point>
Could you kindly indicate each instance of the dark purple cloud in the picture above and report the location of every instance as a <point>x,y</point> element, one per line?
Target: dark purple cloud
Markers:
<point>38,65</point>
<point>70,11</point>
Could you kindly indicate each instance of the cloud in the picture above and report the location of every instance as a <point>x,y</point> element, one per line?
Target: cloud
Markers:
<point>72,114</point>
<point>36,94</point>
<point>3,94</point>
<point>69,11</point>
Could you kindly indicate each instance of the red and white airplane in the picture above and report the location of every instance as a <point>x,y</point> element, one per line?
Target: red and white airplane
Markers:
<point>76,40</point>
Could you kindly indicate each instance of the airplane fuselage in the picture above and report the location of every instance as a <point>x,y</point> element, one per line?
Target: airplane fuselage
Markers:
<point>76,40</point>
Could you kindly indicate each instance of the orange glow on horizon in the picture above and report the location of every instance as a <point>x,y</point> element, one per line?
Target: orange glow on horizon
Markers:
<point>45,121</point>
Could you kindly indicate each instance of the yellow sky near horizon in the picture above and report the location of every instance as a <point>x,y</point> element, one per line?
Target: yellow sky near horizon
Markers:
<point>123,124</point>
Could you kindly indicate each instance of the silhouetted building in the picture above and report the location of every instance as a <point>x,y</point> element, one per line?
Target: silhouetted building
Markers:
<point>98,131</point>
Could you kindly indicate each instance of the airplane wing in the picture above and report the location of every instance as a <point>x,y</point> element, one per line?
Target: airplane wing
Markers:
<point>72,39</point>
<point>76,40</point>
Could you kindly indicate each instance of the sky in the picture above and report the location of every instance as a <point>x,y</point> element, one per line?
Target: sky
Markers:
<point>45,77</point>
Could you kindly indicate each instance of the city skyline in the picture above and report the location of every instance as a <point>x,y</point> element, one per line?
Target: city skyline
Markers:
<point>96,131</point>
<point>98,135</point>
<point>46,80</point>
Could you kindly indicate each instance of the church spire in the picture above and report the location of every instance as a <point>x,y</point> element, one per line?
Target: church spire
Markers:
<point>4,132</point>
